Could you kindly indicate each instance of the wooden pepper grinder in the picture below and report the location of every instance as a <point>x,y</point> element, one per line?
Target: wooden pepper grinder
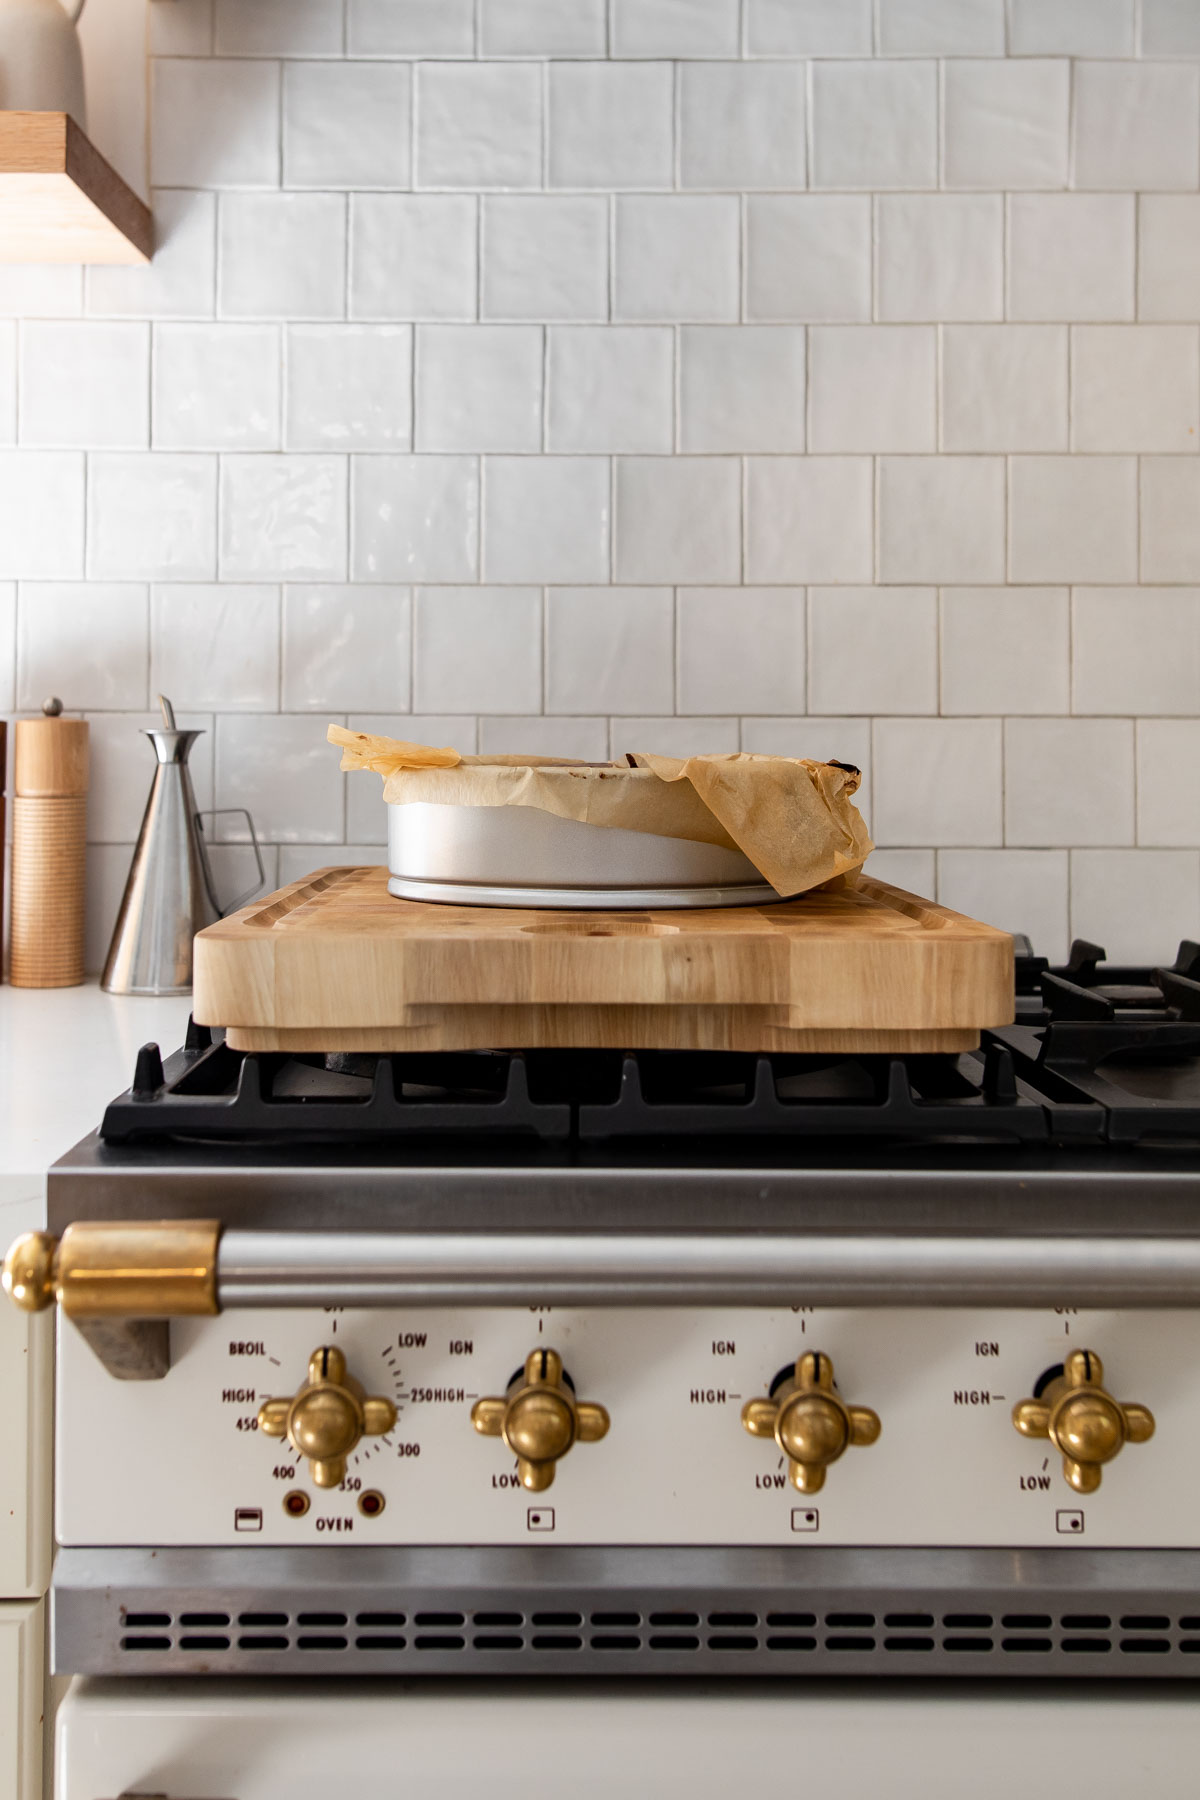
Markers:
<point>49,849</point>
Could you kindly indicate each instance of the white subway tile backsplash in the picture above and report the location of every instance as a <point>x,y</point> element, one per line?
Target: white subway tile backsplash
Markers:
<point>1004,387</point>
<point>40,291</point>
<point>542,27</point>
<point>281,256</point>
<point>216,387</point>
<point>941,27</point>
<point>741,387</point>
<point>1170,517</point>
<point>215,648</point>
<point>478,650</point>
<point>8,646</point>
<point>872,387</point>
<point>84,385</point>
<point>677,519</point>
<point>343,647</point>
<point>1006,124</point>
<point>544,258</point>
<point>1071,256</point>
<point>872,650</point>
<point>610,650</point>
<point>610,388</point>
<point>349,387</point>
<point>1170,28</point>
<point>277,27</point>
<point>808,256</point>
<point>478,125</point>
<point>913,871</point>
<point>1016,890</point>
<point>283,518</point>
<point>675,27</point>
<point>214,123</point>
<point>180,283</point>
<point>741,125</point>
<point>415,518</point>
<point>676,258</point>
<point>1071,27</point>
<point>152,517</point>
<point>741,648</point>
<point>809,519</point>
<point>479,388</point>
<point>874,125</point>
<point>1168,781</point>
<point>1137,125</point>
<point>410,27</point>
<point>1068,781</point>
<point>808,27</point>
<point>41,513</point>
<point>1136,650</point>
<point>1168,256</point>
<point>121,767</point>
<point>546,518</point>
<point>1137,903</point>
<point>413,256</point>
<point>1073,518</point>
<point>941,518</point>
<point>611,125</point>
<point>575,740</point>
<point>1005,650</point>
<point>672,737</point>
<point>86,642</point>
<point>347,124</point>
<point>937,781</point>
<point>282,770</point>
<point>941,256</point>
<point>1135,387</point>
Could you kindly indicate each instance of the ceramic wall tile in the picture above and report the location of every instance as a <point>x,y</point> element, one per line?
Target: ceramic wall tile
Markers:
<point>872,650</point>
<point>937,781</point>
<point>1006,123</point>
<point>41,512</point>
<point>808,256</point>
<point>542,27</point>
<point>683,28</point>
<point>677,519</point>
<point>1135,650</point>
<point>344,647</point>
<point>940,256</point>
<point>714,627</point>
<point>1004,387</point>
<point>152,517</point>
<point>1137,125</point>
<point>546,518</point>
<point>1169,28</point>
<point>478,125</point>
<point>281,769</point>
<point>1068,781</point>
<point>741,387</point>
<point>676,258</point>
<point>215,648</point>
<point>479,388</point>
<point>1137,903</point>
<point>1071,256</point>
<point>84,384</point>
<point>1005,650</point>
<point>277,28</point>
<point>1168,256</point>
<point>8,646</point>
<point>611,125</point>
<point>1071,27</point>
<point>180,282</point>
<point>581,740</point>
<point>214,123</point>
<point>1017,890</point>
<point>941,518</point>
<point>184,29</point>
<point>1135,387</point>
<point>415,518</point>
<point>413,256</point>
<point>1073,518</point>
<point>941,27</point>
<point>610,388</point>
<point>281,256</point>
<point>874,125</point>
<point>347,124</point>
<point>216,387</point>
<point>478,650</point>
<point>809,518</point>
<point>410,27</point>
<point>304,497</point>
<point>872,387</point>
<point>87,642</point>
<point>349,387</point>
<point>1168,781</point>
<point>1170,518</point>
<point>809,27</point>
<point>544,258</point>
<point>673,737</point>
<point>610,650</point>
<point>741,125</point>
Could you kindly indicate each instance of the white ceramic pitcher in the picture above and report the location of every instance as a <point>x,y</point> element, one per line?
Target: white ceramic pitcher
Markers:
<point>41,66</point>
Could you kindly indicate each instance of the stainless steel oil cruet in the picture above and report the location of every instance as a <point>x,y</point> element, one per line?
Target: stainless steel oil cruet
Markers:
<point>170,894</point>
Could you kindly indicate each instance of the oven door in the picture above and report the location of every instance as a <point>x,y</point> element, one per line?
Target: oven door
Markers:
<point>913,1741</point>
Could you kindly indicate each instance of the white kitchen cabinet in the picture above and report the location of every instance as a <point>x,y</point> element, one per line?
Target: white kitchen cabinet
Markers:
<point>22,1656</point>
<point>26,1372</point>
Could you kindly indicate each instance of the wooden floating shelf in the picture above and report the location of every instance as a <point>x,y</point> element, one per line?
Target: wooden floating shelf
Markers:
<point>60,201</point>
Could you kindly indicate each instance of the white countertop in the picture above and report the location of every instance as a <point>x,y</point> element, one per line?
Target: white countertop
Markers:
<point>64,1053</point>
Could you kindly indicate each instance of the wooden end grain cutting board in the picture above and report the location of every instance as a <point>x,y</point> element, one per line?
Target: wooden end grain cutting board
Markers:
<point>334,962</point>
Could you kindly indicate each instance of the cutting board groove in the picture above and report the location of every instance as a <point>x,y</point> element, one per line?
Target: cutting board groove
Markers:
<point>334,962</point>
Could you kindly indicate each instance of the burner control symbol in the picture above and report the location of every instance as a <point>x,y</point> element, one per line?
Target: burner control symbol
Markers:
<point>810,1421</point>
<point>1072,1407</point>
<point>539,1418</point>
<point>327,1417</point>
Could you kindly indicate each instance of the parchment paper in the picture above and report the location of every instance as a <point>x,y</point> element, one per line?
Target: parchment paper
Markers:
<point>795,819</point>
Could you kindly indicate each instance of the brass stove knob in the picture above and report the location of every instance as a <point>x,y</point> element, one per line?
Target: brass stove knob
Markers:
<point>327,1417</point>
<point>809,1421</point>
<point>1081,1418</point>
<point>539,1418</point>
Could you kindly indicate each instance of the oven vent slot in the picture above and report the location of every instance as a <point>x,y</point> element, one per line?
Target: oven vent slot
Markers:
<point>720,1639</point>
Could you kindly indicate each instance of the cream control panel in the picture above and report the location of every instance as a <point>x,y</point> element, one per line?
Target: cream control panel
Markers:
<point>632,1426</point>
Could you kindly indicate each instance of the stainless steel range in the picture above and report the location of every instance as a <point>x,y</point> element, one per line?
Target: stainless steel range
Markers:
<point>676,1363</point>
